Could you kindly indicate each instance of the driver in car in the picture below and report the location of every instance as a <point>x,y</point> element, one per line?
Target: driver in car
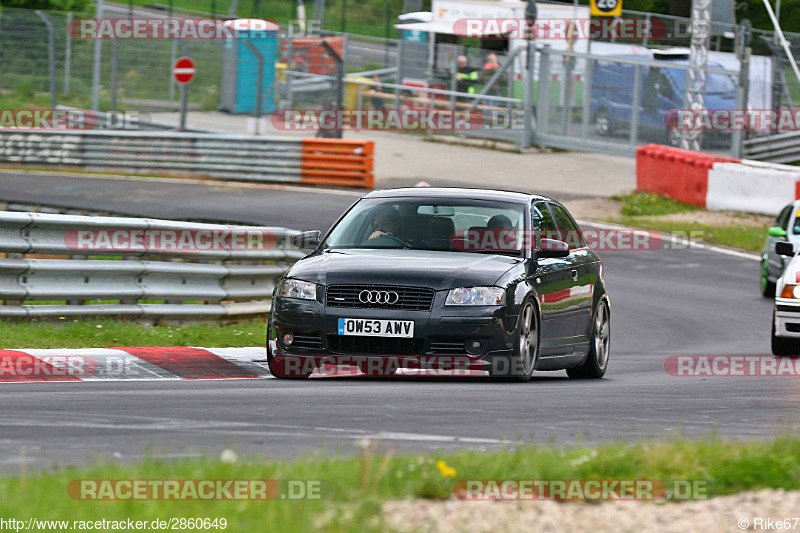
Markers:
<point>385,221</point>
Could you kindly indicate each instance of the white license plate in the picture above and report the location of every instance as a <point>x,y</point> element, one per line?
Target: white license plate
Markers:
<point>376,328</point>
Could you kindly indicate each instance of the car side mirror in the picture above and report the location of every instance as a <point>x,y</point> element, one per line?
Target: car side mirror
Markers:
<point>307,239</point>
<point>776,231</point>
<point>784,248</point>
<point>552,248</point>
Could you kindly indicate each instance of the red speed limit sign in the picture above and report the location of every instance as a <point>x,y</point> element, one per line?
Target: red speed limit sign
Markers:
<point>607,8</point>
<point>183,70</point>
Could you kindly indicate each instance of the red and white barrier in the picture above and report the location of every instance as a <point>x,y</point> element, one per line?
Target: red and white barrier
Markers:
<point>752,186</point>
<point>135,364</point>
<point>716,182</point>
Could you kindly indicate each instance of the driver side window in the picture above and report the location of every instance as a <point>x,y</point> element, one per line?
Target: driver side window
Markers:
<point>542,223</point>
<point>569,231</point>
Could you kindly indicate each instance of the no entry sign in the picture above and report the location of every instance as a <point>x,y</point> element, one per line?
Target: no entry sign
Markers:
<point>183,70</point>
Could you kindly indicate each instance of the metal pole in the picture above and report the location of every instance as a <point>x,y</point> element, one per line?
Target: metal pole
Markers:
<point>51,56</point>
<point>172,57</point>
<point>344,16</point>
<point>696,76</point>
<point>259,80</point>
<point>289,64</point>
<point>588,81</point>
<point>388,32</point>
<point>399,79</point>
<point>340,72</point>
<point>528,100</point>
<point>566,109</point>
<point>96,63</point>
<point>114,60</point>
<point>184,98</point>
<point>67,56</point>
<point>543,92</point>
<point>637,98</point>
<point>130,8</point>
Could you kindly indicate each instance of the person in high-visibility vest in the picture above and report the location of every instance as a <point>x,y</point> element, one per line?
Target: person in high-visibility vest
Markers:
<point>466,78</point>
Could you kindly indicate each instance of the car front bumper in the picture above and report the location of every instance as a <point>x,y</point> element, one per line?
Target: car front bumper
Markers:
<point>439,334</point>
<point>787,317</point>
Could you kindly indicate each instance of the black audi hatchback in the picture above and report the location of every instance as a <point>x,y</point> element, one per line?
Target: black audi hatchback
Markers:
<point>460,278</point>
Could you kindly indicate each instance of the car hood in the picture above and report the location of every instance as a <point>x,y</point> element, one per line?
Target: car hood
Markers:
<point>437,270</point>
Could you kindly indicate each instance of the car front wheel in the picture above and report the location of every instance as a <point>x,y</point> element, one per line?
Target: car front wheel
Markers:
<point>597,361</point>
<point>526,349</point>
<point>767,287</point>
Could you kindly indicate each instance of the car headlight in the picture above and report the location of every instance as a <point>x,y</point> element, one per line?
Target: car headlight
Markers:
<point>791,291</point>
<point>476,296</point>
<point>294,288</point>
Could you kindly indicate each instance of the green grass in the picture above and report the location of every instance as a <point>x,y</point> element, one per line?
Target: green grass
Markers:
<point>642,209</point>
<point>745,237</point>
<point>86,333</point>
<point>646,203</point>
<point>355,487</point>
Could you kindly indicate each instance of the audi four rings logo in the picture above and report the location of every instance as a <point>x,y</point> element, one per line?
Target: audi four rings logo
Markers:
<point>378,297</point>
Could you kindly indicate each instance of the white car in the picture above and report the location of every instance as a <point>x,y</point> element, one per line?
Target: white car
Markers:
<point>786,316</point>
<point>785,228</point>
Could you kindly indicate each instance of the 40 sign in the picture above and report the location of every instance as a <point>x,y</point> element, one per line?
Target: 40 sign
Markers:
<point>606,8</point>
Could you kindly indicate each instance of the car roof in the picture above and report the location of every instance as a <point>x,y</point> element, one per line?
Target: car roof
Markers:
<point>666,61</point>
<point>457,192</point>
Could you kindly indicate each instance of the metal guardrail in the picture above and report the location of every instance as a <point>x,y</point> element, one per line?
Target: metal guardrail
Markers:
<point>780,148</point>
<point>129,277</point>
<point>232,157</point>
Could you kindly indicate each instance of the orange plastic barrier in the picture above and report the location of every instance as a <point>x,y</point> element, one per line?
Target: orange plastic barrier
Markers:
<point>338,162</point>
<point>679,174</point>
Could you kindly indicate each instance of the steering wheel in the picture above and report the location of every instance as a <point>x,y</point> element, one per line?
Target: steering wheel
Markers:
<point>390,236</point>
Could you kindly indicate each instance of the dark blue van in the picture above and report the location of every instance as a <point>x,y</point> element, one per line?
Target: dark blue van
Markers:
<point>663,90</point>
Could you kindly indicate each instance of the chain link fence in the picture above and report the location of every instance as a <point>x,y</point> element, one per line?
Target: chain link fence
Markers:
<point>134,74</point>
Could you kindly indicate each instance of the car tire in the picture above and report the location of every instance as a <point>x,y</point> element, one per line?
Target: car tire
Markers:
<point>783,345</point>
<point>596,363</point>
<point>603,124</point>
<point>522,364</point>
<point>767,287</point>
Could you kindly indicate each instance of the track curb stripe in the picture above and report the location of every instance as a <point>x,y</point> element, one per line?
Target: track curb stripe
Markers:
<point>190,363</point>
<point>131,364</point>
<point>21,366</point>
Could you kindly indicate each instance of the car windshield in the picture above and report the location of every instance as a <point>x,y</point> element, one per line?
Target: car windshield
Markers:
<point>452,225</point>
<point>715,83</point>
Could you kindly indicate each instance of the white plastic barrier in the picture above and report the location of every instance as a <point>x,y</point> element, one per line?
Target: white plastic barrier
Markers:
<point>752,186</point>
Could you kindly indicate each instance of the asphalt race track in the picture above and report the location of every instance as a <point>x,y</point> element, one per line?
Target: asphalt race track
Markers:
<point>664,302</point>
